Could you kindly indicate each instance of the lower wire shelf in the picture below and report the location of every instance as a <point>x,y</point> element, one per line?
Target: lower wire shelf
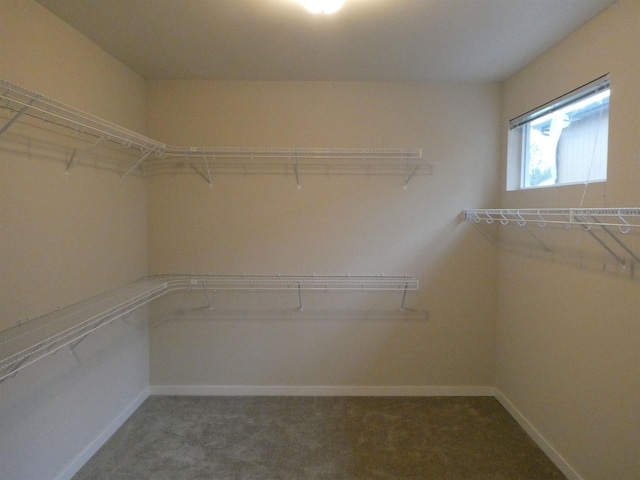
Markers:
<point>34,339</point>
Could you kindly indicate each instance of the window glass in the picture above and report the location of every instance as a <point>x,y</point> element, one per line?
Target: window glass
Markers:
<point>562,142</point>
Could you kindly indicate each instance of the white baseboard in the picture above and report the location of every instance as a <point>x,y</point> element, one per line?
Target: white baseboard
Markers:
<point>544,445</point>
<point>337,391</point>
<point>95,445</point>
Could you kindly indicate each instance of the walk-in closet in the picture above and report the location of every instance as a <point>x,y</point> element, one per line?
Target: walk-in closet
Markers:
<point>259,240</point>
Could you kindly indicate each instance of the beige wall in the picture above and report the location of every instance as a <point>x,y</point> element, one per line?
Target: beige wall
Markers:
<point>66,238</point>
<point>565,350</point>
<point>63,239</point>
<point>568,335</point>
<point>333,225</point>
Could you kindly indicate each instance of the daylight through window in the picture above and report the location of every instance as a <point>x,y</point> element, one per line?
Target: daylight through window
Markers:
<point>562,142</point>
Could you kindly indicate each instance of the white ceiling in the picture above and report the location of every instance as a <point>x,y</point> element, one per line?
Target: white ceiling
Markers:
<point>368,40</point>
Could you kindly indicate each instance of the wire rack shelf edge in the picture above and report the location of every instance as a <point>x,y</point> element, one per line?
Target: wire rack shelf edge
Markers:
<point>600,223</point>
<point>623,218</point>
<point>37,338</point>
<point>158,158</point>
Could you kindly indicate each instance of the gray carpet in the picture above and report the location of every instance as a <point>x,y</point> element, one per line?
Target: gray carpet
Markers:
<point>268,438</point>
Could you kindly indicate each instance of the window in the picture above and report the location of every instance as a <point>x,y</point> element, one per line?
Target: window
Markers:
<point>562,142</point>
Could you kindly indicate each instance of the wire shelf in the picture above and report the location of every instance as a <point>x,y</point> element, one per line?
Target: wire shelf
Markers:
<point>37,338</point>
<point>624,219</point>
<point>160,159</point>
<point>291,282</point>
<point>602,224</point>
<point>30,341</point>
<point>27,102</point>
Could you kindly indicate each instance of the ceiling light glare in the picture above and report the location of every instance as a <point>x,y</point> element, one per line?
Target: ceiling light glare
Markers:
<point>322,6</point>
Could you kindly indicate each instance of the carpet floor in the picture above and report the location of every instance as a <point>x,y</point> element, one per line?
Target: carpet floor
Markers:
<point>313,438</point>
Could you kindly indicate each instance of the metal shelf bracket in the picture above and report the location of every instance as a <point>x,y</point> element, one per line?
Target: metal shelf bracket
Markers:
<point>17,115</point>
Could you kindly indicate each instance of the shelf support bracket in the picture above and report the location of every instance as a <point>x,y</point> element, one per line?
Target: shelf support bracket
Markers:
<point>13,369</point>
<point>408,174</point>
<point>296,168</point>
<point>620,259</point>
<point>13,119</point>
<point>136,164</point>
<point>73,345</point>
<point>547,249</point>
<point>206,179</point>
<point>617,240</point>
<point>206,166</point>
<point>301,308</point>
<point>206,293</point>
<point>404,295</point>
<point>485,234</point>
<point>72,159</point>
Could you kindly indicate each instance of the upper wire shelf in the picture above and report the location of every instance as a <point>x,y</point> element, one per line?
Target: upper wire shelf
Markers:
<point>40,337</point>
<point>158,158</point>
<point>26,102</point>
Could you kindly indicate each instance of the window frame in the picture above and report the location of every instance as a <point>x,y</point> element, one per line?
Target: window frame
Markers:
<point>518,151</point>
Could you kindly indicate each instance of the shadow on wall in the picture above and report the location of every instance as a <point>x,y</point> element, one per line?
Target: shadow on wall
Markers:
<point>605,251</point>
<point>262,338</point>
<point>444,336</point>
<point>34,140</point>
<point>76,391</point>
